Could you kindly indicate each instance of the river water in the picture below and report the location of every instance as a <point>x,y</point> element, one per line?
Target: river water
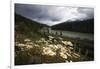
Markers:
<point>74,34</point>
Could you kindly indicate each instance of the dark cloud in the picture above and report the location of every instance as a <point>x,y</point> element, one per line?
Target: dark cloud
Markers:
<point>51,15</point>
<point>88,11</point>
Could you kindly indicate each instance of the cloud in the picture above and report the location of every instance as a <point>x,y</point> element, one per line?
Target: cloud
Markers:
<point>51,15</point>
<point>88,11</point>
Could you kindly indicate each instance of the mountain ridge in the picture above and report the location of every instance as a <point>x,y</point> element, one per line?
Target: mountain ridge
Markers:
<point>85,26</point>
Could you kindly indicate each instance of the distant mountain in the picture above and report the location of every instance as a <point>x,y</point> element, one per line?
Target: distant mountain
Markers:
<point>86,26</point>
<point>26,28</point>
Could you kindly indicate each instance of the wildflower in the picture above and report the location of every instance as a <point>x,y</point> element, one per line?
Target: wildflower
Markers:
<point>36,45</point>
<point>63,55</point>
<point>69,43</point>
<point>50,45</point>
<point>29,43</point>
<point>29,46</point>
<point>21,45</point>
<point>49,41</point>
<point>43,39</point>
<point>64,42</point>
<point>50,37</point>
<point>48,51</point>
<point>56,47</point>
<point>76,55</point>
<point>55,40</point>
<point>39,41</point>
<point>27,40</point>
<point>59,45</point>
<point>63,50</point>
<point>71,48</point>
<point>68,54</point>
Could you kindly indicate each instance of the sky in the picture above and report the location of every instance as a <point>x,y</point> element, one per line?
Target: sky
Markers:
<point>51,15</point>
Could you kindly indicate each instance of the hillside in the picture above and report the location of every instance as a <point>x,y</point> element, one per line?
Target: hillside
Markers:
<point>86,26</point>
<point>26,28</point>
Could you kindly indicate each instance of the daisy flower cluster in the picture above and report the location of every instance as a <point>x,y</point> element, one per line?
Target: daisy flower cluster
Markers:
<point>50,49</point>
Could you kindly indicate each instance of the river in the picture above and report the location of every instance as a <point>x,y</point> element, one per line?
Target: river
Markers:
<point>74,34</point>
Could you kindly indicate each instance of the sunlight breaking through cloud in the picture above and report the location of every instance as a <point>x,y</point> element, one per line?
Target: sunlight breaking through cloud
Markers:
<point>52,15</point>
